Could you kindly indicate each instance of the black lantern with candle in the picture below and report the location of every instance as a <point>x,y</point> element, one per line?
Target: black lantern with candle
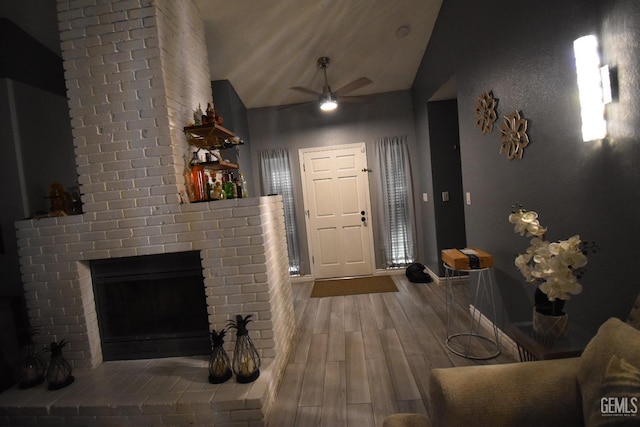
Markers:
<point>219,364</point>
<point>32,366</point>
<point>246,360</point>
<point>59,370</point>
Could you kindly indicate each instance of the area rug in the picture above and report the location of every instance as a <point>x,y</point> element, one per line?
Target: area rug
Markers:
<point>358,285</point>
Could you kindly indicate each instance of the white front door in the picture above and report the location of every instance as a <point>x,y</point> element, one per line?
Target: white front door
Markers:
<point>338,210</point>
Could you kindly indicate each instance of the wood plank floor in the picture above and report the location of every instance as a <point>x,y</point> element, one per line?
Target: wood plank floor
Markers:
<point>357,359</point>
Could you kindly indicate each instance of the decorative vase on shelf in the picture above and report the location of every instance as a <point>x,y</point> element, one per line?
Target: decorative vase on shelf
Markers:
<point>549,319</point>
<point>246,360</point>
<point>59,370</point>
<point>219,364</point>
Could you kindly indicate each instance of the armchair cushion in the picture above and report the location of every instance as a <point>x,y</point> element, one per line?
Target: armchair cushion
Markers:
<point>543,393</point>
<point>614,337</point>
<point>621,383</point>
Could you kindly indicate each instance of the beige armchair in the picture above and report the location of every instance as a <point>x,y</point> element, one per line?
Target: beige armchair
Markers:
<point>561,392</point>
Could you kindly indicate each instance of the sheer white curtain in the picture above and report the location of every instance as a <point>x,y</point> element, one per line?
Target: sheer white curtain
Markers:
<point>275,174</point>
<point>397,228</point>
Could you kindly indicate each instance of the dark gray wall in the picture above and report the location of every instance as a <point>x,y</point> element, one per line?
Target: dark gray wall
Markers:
<point>389,114</point>
<point>11,205</point>
<point>229,105</point>
<point>36,141</point>
<point>525,56</point>
<point>446,175</point>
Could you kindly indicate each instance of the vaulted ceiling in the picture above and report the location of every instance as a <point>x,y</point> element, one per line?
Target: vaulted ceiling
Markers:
<point>266,47</point>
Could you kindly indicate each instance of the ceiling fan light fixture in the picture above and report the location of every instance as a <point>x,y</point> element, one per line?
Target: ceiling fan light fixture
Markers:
<point>328,99</point>
<point>328,102</point>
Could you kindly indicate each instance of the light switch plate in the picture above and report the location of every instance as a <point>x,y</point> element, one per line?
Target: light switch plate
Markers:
<point>445,196</point>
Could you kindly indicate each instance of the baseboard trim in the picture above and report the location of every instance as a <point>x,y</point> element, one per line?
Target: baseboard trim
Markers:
<point>507,345</point>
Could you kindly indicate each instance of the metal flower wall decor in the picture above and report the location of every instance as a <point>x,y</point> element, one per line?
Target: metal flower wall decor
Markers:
<point>514,136</point>
<point>486,112</point>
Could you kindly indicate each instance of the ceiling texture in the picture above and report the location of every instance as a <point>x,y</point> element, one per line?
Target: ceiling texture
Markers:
<point>266,47</point>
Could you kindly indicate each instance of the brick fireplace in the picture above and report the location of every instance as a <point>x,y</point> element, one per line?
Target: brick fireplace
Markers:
<point>134,71</point>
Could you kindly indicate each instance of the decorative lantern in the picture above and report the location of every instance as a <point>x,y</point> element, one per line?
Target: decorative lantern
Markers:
<point>32,367</point>
<point>59,370</point>
<point>246,360</point>
<point>219,365</point>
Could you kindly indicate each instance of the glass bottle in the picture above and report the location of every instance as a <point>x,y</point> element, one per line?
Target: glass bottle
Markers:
<point>234,188</point>
<point>218,193</point>
<point>238,188</point>
<point>210,114</point>
<point>228,186</point>
<point>243,184</point>
<point>188,183</point>
<point>199,179</point>
<point>210,187</point>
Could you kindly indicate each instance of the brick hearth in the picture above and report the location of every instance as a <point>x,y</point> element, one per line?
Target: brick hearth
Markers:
<point>158,392</point>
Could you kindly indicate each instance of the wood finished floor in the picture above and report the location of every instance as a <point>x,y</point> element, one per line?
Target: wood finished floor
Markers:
<point>357,359</point>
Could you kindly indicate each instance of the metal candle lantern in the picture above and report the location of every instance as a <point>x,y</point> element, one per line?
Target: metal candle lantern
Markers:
<point>246,360</point>
<point>59,370</point>
<point>219,365</point>
<point>32,368</point>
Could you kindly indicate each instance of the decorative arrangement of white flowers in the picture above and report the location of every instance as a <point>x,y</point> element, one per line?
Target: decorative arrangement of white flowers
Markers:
<point>556,266</point>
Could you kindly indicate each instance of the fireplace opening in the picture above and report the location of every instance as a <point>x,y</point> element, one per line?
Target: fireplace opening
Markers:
<point>151,306</point>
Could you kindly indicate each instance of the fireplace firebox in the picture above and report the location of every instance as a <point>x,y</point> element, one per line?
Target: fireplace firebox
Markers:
<point>151,306</point>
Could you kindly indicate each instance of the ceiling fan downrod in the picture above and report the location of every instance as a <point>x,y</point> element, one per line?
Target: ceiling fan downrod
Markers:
<point>322,63</point>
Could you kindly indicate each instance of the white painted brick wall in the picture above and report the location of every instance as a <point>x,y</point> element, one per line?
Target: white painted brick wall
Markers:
<point>135,70</point>
<point>241,275</point>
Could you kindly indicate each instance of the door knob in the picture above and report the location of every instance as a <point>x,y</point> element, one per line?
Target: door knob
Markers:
<point>363,219</point>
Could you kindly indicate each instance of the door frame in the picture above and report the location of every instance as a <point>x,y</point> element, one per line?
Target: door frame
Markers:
<point>301,153</point>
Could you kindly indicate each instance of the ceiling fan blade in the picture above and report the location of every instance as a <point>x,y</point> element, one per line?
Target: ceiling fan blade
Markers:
<point>307,91</point>
<point>350,87</point>
<point>355,99</point>
<point>290,106</point>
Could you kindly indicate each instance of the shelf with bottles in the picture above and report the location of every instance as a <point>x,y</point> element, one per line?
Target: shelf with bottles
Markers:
<point>211,159</point>
<point>219,166</point>
<point>212,180</point>
<point>211,136</point>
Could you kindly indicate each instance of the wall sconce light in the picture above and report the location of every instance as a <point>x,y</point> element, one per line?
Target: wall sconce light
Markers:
<point>594,87</point>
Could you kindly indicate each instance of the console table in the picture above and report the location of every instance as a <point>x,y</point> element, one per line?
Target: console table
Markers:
<point>466,336</point>
<point>532,346</point>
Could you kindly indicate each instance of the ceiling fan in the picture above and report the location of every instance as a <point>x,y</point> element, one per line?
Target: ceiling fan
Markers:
<point>329,99</point>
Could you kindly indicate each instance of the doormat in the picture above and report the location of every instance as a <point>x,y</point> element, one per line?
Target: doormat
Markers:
<point>359,285</point>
